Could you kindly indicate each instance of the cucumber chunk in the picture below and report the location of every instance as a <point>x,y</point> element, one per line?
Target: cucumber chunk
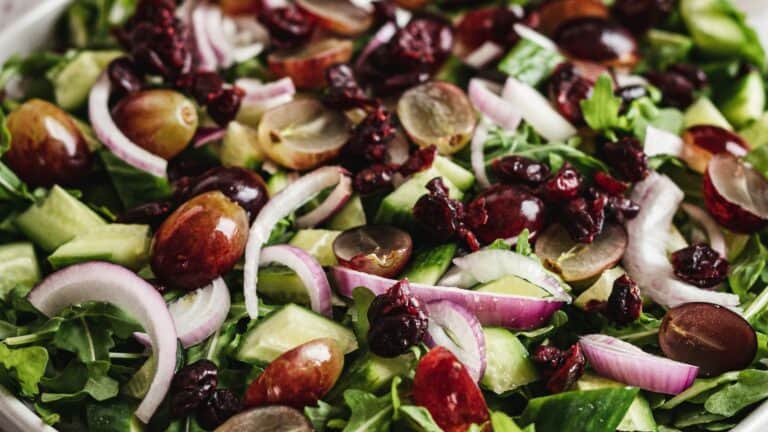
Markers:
<point>112,416</point>
<point>508,366</point>
<point>352,215</point>
<point>639,416</point>
<point>428,266</point>
<point>281,284</point>
<point>240,147</point>
<point>704,112</point>
<point>73,81</point>
<point>287,328</point>
<point>127,245</point>
<point>318,243</point>
<point>57,220</point>
<point>397,207</point>
<point>457,175</point>
<point>18,266</point>
<point>745,101</point>
<point>514,285</point>
<point>371,373</point>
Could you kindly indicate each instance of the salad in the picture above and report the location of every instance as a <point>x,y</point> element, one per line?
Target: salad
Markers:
<point>338,215</point>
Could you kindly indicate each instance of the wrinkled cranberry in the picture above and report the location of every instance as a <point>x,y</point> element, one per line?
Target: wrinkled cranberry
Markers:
<point>152,214</point>
<point>343,91</point>
<point>205,87</point>
<point>620,209</point>
<point>192,386</point>
<point>503,212</point>
<point>624,304</point>
<point>491,24</point>
<point>629,94</point>
<point>700,265</point>
<point>561,369</point>
<point>218,408</point>
<point>369,140</point>
<point>597,39</point>
<point>397,320</point>
<point>566,91</point>
<point>640,15</point>
<point>419,160</point>
<point>609,184</point>
<point>376,178</point>
<point>438,214</point>
<point>224,108</point>
<point>583,218</point>
<point>563,186</point>
<point>160,49</point>
<point>518,169</point>
<point>288,26</point>
<point>124,76</point>
<point>627,158</point>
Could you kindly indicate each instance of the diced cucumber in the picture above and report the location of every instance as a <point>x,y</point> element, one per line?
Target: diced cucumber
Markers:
<point>318,243</point>
<point>757,133</point>
<point>281,284</point>
<point>664,48</point>
<point>352,215</point>
<point>397,207</point>
<point>429,265</point>
<point>601,289</point>
<point>18,265</point>
<point>371,373</point>
<point>514,285</point>
<point>704,112</point>
<point>127,245</point>
<point>240,147</point>
<point>277,182</point>
<point>114,415</point>
<point>638,418</point>
<point>530,62</point>
<point>57,220</point>
<point>452,172</point>
<point>287,328</point>
<point>508,366</point>
<point>745,101</point>
<point>73,81</point>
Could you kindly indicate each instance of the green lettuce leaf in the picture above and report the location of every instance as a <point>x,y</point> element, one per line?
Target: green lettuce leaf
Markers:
<point>369,413</point>
<point>593,410</point>
<point>601,109</point>
<point>751,387</point>
<point>25,366</point>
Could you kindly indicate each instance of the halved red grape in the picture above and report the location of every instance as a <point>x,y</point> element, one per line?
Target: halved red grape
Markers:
<point>598,40</point>
<point>554,13</point>
<point>580,262</point>
<point>709,336</point>
<point>339,16</point>
<point>503,212</point>
<point>274,418</point>
<point>701,142</point>
<point>487,24</point>
<point>47,148</point>
<point>306,66</point>
<point>382,250</point>
<point>736,194</point>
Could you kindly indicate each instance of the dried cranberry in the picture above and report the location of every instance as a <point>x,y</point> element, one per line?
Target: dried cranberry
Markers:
<point>376,178</point>
<point>597,39</point>
<point>609,184</point>
<point>152,213</point>
<point>566,91</point>
<point>343,91</point>
<point>620,209</point>
<point>491,24</point>
<point>124,76</point>
<point>288,26</point>
<point>503,212</point>
<point>419,160</point>
<point>564,185</point>
<point>641,15</point>
<point>369,140</point>
<point>224,108</point>
<point>397,321</point>
<point>627,158</point>
<point>624,304</point>
<point>694,75</point>
<point>218,408</point>
<point>159,49</point>
<point>203,86</point>
<point>518,169</point>
<point>438,214</point>
<point>192,386</point>
<point>700,265</point>
<point>561,369</point>
<point>583,218</point>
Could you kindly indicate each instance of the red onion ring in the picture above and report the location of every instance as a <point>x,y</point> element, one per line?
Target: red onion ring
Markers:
<point>335,202</point>
<point>537,111</point>
<point>658,141</point>
<point>217,40</point>
<point>477,155</point>
<point>107,132</point>
<point>281,205</point>
<point>494,107</point>
<point>517,312</point>
<point>309,271</point>
<point>382,36</point>
<point>207,135</point>
<point>464,335</point>
<point>714,233</point>
<point>624,362</point>
<point>483,55</point>
<point>110,283</point>
<point>257,92</point>
<point>207,60</point>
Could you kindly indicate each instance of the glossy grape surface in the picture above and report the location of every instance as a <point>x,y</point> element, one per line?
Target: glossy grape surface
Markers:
<point>201,240</point>
<point>509,209</point>
<point>242,186</point>
<point>47,148</point>
<point>377,249</point>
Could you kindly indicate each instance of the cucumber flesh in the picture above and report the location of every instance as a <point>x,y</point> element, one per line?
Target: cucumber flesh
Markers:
<point>757,133</point>
<point>457,175</point>
<point>508,366</point>
<point>60,218</point>
<point>18,266</point>
<point>240,147</point>
<point>397,207</point>
<point>371,373</point>
<point>318,243</point>
<point>428,266</point>
<point>287,328</point>
<point>282,285</point>
<point>639,416</point>
<point>745,103</point>
<point>127,245</point>
<point>352,215</point>
<point>72,83</point>
<point>514,285</point>
<point>601,289</point>
<point>704,112</point>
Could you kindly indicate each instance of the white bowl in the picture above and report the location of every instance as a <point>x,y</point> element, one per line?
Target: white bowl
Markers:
<point>34,28</point>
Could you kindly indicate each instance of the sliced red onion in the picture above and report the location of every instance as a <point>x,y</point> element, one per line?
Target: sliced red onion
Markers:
<point>110,283</point>
<point>456,277</point>
<point>483,55</point>
<point>197,315</point>
<point>206,56</point>
<point>108,133</point>
<point>257,92</point>
<point>624,79</point>
<point>535,37</point>
<point>714,233</point>
<point>281,205</point>
<point>381,37</point>
<point>454,327</point>
<point>659,141</point>
<point>207,135</point>
<point>516,312</point>
<point>498,110</point>
<point>398,150</point>
<point>248,36</point>
<point>621,361</point>
<point>477,155</point>
<point>309,271</point>
<point>17,416</point>
<point>488,265</point>
<point>214,31</point>
<point>646,260</point>
<point>537,111</point>
<point>335,202</point>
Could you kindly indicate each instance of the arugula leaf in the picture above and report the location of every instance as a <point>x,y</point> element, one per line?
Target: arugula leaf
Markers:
<point>24,365</point>
<point>642,331</point>
<point>601,109</point>
<point>133,186</point>
<point>503,423</point>
<point>751,387</point>
<point>662,48</point>
<point>5,134</point>
<point>97,385</point>
<point>321,414</point>
<point>593,410</point>
<point>700,386</point>
<point>418,419</point>
<point>499,244</point>
<point>523,247</point>
<point>361,298</point>
<point>90,342</point>
<point>89,23</point>
<point>747,267</point>
<point>530,62</point>
<point>758,157</point>
<point>369,413</point>
<point>757,134</point>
